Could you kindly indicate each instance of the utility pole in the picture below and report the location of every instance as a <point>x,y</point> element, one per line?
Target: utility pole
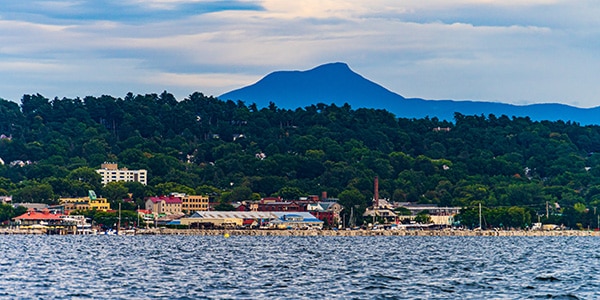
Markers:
<point>547,212</point>
<point>119,223</point>
<point>480,216</point>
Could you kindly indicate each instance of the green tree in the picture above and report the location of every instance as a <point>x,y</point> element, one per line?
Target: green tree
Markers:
<point>7,212</point>
<point>87,175</point>
<point>115,191</point>
<point>423,218</point>
<point>290,193</point>
<point>354,202</point>
<point>34,193</point>
<point>240,193</point>
<point>402,211</point>
<point>224,207</point>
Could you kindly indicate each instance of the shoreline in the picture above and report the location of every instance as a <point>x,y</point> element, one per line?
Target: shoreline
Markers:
<point>344,233</point>
<point>341,233</point>
<point>350,233</point>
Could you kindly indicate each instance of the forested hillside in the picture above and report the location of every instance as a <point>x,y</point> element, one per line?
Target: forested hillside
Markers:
<point>234,151</point>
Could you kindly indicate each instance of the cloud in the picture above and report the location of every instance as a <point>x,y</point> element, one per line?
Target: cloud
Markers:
<point>125,11</point>
<point>509,51</point>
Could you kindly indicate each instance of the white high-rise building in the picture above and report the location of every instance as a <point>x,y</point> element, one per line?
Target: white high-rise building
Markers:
<point>110,173</point>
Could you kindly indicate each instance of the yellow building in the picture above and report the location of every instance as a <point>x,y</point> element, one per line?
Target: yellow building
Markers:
<point>100,204</point>
<point>85,203</point>
<point>191,203</point>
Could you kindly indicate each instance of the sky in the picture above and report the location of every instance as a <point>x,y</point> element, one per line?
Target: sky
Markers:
<point>510,51</point>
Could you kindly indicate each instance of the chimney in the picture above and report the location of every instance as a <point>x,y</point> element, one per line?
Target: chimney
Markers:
<point>323,196</point>
<point>376,196</point>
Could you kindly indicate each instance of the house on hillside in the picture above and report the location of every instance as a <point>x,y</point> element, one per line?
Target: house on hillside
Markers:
<point>6,199</point>
<point>110,172</point>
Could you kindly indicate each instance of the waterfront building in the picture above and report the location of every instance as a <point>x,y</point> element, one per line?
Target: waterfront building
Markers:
<point>232,219</point>
<point>191,203</point>
<point>225,219</point>
<point>90,202</point>
<point>326,211</point>
<point>440,215</point>
<point>111,173</point>
<point>52,222</point>
<point>146,215</point>
<point>43,218</point>
<point>164,205</point>
<point>269,204</point>
<point>295,220</point>
<point>430,208</point>
<point>380,213</point>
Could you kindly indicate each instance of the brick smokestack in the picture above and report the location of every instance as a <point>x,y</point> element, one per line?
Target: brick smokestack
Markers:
<point>376,196</point>
<point>323,196</point>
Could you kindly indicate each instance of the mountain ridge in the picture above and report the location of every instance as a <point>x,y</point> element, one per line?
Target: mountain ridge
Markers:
<point>337,83</point>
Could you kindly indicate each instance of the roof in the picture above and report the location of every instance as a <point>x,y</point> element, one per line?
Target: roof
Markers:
<point>234,215</point>
<point>37,215</point>
<point>327,204</point>
<point>168,200</point>
<point>281,203</point>
<point>274,217</point>
<point>165,217</point>
<point>379,212</point>
<point>39,206</point>
<point>306,216</point>
<point>248,222</point>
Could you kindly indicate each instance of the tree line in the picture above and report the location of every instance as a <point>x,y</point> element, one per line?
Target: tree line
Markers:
<point>233,151</point>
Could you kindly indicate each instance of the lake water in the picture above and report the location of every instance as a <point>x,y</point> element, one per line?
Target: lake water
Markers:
<point>245,267</point>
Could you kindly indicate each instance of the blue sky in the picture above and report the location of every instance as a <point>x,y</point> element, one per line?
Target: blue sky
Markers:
<point>521,52</point>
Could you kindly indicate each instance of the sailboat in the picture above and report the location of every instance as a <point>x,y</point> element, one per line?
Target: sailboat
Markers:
<point>352,220</point>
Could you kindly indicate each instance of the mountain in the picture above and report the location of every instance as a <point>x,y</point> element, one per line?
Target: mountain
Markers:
<point>337,83</point>
<point>329,83</point>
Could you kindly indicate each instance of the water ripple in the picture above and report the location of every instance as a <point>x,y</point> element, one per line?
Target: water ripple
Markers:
<point>244,267</point>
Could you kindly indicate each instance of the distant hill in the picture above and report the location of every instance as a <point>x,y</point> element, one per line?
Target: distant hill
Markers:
<point>337,83</point>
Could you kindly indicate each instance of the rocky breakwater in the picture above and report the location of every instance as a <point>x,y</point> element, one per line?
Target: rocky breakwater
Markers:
<point>21,231</point>
<point>253,232</point>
